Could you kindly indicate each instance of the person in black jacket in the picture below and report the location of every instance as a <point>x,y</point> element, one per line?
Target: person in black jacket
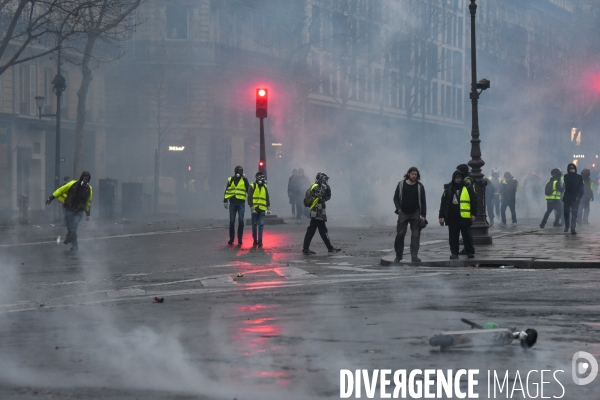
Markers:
<point>508,193</point>
<point>320,193</point>
<point>411,207</point>
<point>572,196</point>
<point>457,210</point>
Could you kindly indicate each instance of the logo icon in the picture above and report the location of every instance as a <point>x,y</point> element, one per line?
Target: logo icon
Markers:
<point>580,368</point>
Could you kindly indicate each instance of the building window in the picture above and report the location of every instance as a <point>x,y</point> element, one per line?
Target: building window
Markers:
<point>177,21</point>
<point>394,90</point>
<point>459,104</point>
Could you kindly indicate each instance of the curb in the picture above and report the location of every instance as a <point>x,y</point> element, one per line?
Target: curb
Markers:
<point>520,263</point>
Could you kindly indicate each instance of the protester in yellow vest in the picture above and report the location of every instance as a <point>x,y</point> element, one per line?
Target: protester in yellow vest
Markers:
<point>315,199</point>
<point>553,191</point>
<point>258,200</point>
<point>457,210</point>
<point>76,197</point>
<point>235,199</point>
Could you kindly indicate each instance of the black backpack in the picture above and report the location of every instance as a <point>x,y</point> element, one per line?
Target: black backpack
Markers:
<point>549,189</point>
<point>308,197</point>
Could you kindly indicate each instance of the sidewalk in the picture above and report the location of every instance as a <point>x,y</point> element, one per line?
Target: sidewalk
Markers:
<point>527,246</point>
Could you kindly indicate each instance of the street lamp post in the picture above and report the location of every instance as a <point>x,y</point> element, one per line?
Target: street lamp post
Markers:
<point>480,226</point>
<point>59,85</point>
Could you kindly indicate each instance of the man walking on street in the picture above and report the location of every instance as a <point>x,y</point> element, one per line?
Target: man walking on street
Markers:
<point>572,196</point>
<point>292,191</point>
<point>411,207</point>
<point>457,210</point>
<point>553,191</point>
<point>497,184</point>
<point>235,199</point>
<point>508,194</point>
<point>320,192</point>
<point>76,197</point>
<point>258,200</point>
<point>588,195</point>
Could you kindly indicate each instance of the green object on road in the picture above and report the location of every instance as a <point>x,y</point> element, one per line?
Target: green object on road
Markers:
<point>490,325</point>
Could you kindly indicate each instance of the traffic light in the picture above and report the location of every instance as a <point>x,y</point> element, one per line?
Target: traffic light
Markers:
<point>261,164</point>
<point>262,96</point>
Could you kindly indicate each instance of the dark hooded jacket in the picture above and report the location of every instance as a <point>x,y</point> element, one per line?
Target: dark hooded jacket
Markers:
<point>447,209</point>
<point>573,185</point>
<point>76,195</point>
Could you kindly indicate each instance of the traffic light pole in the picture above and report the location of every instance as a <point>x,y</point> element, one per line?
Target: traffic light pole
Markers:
<point>262,166</point>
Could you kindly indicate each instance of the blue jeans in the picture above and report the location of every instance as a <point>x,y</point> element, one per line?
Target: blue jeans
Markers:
<point>72,218</point>
<point>258,220</point>
<point>236,208</point>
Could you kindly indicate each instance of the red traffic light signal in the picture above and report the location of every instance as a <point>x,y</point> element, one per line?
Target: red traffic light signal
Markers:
<point>262,96</point>
<point>261,164</point>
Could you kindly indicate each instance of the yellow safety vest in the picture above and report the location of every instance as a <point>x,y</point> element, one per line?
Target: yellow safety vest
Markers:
<point>61,194</point>
<point>465,203</point>
<point>555,193</point>
<point>259,197</point>
<point>316,200</point>
<point>238,191</point>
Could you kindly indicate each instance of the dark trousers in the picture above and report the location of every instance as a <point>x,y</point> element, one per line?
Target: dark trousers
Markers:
<point>584,212</point>
<point>571,207</point>
<point>300,207</point>
<point>414,220</point>
<point>239,209</point>
<point>310,232</point>
<point>513,214</point>
<point>457,227</point>
<point>552,205</point>
<point>489,206</point>
<point>72,218</point>
<point>258,221</point>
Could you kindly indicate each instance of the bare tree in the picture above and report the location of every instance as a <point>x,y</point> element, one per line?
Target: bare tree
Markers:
<point>105,21</point>
<point>32,29</point>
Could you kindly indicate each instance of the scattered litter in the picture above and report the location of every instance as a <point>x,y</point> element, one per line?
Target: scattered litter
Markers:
<point>186,298</point>
<point>239,275</point>
<point>506,266</point>
<point>159,300</point>
<point>58,240</point>
<point>490,334</point>
<point>41,305</point>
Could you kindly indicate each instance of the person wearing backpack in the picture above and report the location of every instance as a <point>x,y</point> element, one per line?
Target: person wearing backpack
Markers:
<point>258,200</point>
<point>411,207</point>
<point>76,197</point>
<point>315,199</point>
<point>553,191</point>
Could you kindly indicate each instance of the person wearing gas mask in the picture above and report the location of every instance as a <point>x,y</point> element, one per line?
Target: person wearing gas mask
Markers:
<point>258,200</point>
<point>76,197</point>
<point>319,193</point>
<point>235,200</point>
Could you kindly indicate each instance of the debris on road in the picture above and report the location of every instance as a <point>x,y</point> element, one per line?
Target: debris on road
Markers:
<point>239,275</point>
<point>490,334</point>
<point>159,299</point>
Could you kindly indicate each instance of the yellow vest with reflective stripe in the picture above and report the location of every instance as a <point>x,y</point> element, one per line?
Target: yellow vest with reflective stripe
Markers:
<point>465,203</point>
<point>316,200</point>
<point>555,193</point>
<point>238,191</point>
<point>259,197</point>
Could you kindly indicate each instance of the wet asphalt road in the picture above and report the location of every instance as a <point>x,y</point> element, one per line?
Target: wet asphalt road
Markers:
<point>85,326</point>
